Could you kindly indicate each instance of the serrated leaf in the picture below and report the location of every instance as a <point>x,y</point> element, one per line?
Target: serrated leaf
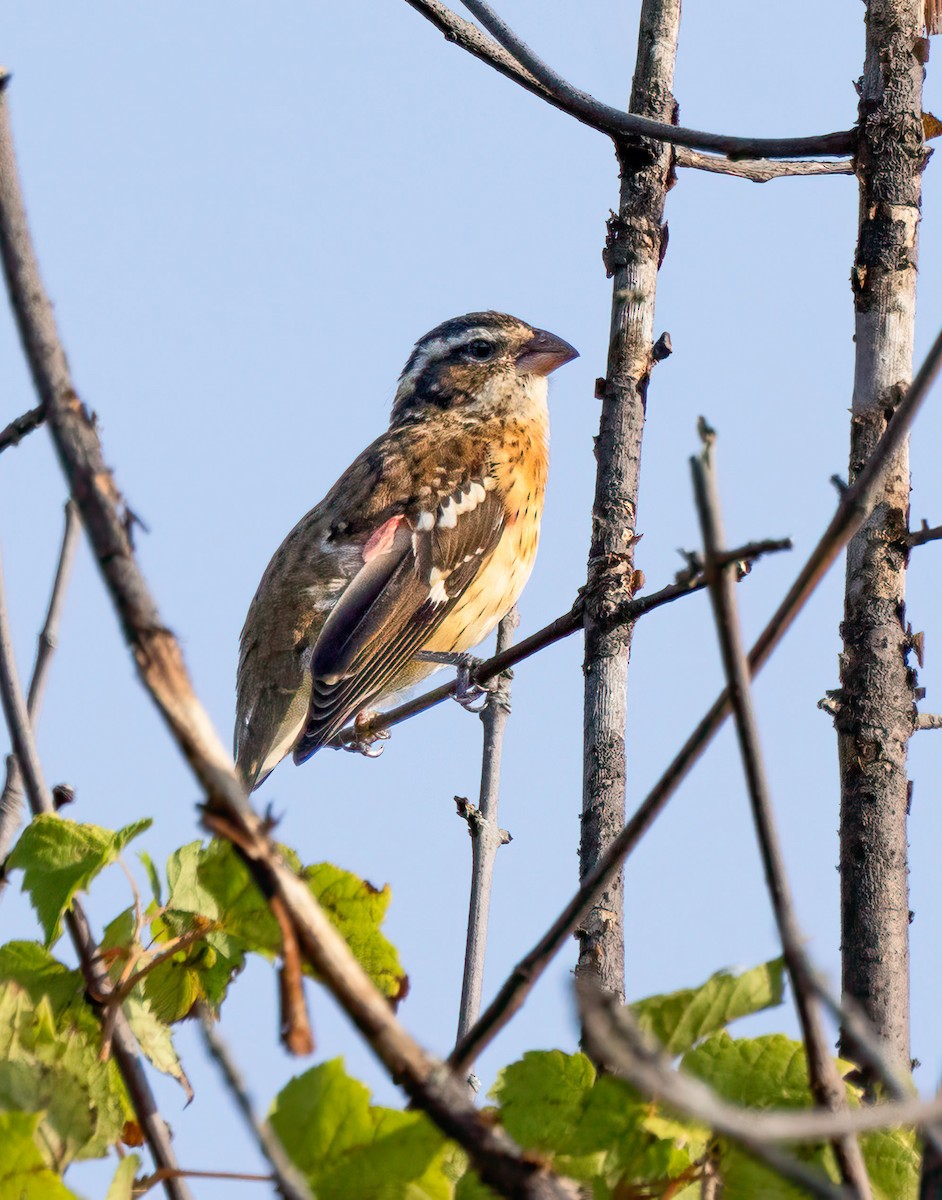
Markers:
<point>23,1174</point>
<point>123,1181</point>
<point>893,1160</point>
<point>681,1019</point>
<point>155,1039</point>
<point>60,857</point>
<point>35,969</point>
<point>347,1147</point>
<point>51,1066</point>
<point>358,910</point>
<point>542,1097</point>
<point>763,1072</point>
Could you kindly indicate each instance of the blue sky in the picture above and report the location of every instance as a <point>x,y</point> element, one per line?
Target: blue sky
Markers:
<point>246,215</point>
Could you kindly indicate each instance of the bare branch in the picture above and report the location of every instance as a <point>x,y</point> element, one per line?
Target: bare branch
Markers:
<point>619,124</point>
<point>291,1184</point>
<point>562,627</point>
<point>760,170</point>
<point>919,537</point>
<point>928,721</point>
<point>648,1068</point>
<point>12,798</point>
<point>853,509</point>
<point>18,428</point>
<point>826,1085</point>
<point>486,835</point>
<point>227,812</point>
<point>125,1047</point>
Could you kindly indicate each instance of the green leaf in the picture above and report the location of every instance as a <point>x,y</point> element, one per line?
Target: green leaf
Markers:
<point>23,1174</point>
<point>50,1064</point>
<point>542,1097</point>
<point>893,1161</point>
<point>60,857</point>
<point>358,910</point>
<point>347,1147</point>
<point>34,968</point>
<point>681,1019</point>
<point>152,875</point>
<point>123,1181</point>
<point>154,1038</point>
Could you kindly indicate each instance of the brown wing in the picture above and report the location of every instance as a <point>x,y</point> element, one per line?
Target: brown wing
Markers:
<point>402,594</point>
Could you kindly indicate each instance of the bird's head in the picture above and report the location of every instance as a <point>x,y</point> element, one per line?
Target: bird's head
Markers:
<point>480,359</point>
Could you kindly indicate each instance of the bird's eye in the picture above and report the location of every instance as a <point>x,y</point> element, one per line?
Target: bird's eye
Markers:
<point>480,350</point>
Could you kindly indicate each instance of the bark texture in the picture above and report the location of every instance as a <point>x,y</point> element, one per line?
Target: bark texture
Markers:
<point>634,250</point>
<point>877,704</point>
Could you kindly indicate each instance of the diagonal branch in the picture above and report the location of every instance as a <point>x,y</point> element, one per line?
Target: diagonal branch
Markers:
<point>124,1045</point>
<point>562,627</point>
<point>519,63</point>
<point>18,428</point>
<point>11,799</point>
<point>291,1184</point>
<point>826,1084</point>
<point>855,505</point>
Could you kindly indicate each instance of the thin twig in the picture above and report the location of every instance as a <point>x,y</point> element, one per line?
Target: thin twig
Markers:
<point>562,627</point>
<point>826,1084</point>
<point>19,427</point>
<point>852,511</point>
<point>760,170</point>
<point>486,837</point>
<point>779,1126</point>
<point>925,533</point>
<point>125,1048</point>
<point>291,1183</point>
<point>497,1159</point>
<point>11,800</point>
<point>522,65</point>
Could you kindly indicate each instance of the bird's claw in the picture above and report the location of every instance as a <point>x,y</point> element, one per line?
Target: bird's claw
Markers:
<point>362,740</point>
<point>471,695</point>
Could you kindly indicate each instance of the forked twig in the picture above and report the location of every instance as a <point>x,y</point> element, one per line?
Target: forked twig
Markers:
<point>826,1084</point>
<point>852,511</point>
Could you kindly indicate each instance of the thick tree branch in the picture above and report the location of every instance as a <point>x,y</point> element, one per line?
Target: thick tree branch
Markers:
<point>124,1047</point>
<point>12,798</point>
<point>876,711</point>
<point>854,508</point>
<point>633,254</point>
<point>826,1085</point>
<point>486,835</point>
<point>18,428</point>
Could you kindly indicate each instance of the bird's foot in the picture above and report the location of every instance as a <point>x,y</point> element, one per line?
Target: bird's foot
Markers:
<point>363,740</point>
<point>471,695</point>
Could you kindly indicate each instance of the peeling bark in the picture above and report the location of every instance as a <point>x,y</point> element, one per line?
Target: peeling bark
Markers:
<point>633,253</point>
<point>876,712</point>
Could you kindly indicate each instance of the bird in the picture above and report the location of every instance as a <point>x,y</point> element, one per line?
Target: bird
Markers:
<point>421,546</point>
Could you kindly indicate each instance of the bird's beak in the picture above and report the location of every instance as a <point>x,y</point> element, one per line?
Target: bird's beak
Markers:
<point>544,353</point>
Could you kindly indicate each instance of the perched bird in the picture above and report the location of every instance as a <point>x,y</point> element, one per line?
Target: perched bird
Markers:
<point>422,545</point>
